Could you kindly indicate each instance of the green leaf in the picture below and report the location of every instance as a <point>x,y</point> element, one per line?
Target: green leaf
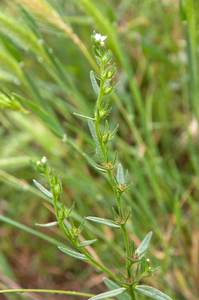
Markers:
<point>127,187</point>
<point>110,294</point>
<point>115,158</point>
<point>144,246</point>
<point>106,127</point>
<point>103,222</point>
<point>86,243</point>
<point>93,132</point>
<point>42,189</point>
<point>74,254</point>
<point>82,116</point>
<point>120,174</point>
<point>95,166</point>
<point>112,286</point>
<point>114,131</point>
<point>94,83</point>
<point>126,178</point>
<point>31,21</point>
<point>48,224</point>
<point>151,292</point>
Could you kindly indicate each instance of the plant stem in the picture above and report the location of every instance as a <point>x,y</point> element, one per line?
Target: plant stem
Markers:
<point>117,195</point>
<point>132,294</point>
<point>45,291</point>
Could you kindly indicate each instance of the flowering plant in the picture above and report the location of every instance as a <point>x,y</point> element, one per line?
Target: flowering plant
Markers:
<point>137,265</point>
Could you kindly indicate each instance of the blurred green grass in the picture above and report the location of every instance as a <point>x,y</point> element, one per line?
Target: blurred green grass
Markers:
<point>46,57</point>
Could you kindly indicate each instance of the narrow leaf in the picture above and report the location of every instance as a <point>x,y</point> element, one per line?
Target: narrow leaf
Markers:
<point>144,246</point>
<point>82,116</point>
<point>103,222</point>
<point>126,177</point>
<point>86,243</point>
<point>115,158</point>
<point>93,132</point>
<point>43,190</point>
<point>110,294</point>
<point>151,292</point>
<point>96,167</point>
<point>112,286</point>
<point>106,127</point>
<point>74,254</point>
<point>48,224</point>
<point>120,174</point>
<point>114,131</point>
<point>94,83</point>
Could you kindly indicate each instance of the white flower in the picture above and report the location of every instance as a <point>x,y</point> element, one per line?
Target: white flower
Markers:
<point>43,159</point>
<point>38,162</point>
<point>100,38</point>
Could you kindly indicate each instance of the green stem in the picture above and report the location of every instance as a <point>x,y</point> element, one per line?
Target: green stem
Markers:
<point>132,294</point>
<point>46,291</point>
<point>117,196</point>
<point>101,85</point>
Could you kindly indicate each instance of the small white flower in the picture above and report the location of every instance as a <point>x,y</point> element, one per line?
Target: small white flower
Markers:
<point>43,159</point>
<point>148,259</point>
<point>100,38</point>
<point>38,162</point>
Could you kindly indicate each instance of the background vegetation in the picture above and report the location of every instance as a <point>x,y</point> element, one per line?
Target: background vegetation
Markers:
<point>46,57</point>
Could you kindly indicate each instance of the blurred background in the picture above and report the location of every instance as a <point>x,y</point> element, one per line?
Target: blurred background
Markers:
<point>46,57</point>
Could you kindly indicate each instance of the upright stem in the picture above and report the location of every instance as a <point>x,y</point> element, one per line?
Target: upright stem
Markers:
<point>117,195</point>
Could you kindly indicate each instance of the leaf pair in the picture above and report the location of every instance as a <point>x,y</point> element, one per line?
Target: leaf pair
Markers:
<point>120,293</point>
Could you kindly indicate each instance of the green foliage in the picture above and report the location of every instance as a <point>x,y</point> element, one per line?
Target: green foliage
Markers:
<point>45,59</point>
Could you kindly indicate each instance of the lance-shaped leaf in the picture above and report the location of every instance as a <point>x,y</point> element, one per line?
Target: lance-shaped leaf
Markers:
<point>94,165</point>
<point>86,243</point>
<point>82,116</point>
<point>113,286</point>
<point>126,178</point>
<point>93,132</point>
<point>42,189</point>
<point>114,131</point>
<point>94,83</point>
<point>151,292</point>
<point>110,294</point>
<point>144,246</point>
<point>106,127</point>
<point>74,254</point>
<point>120,174</point>
<point>48,224</point>
<point>103,222</point>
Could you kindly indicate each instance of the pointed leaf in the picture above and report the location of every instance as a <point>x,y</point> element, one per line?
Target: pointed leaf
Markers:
<point>93,132</point>
<point>151,292</point>
<point>103,222</point>
<point>112,286</point>
<point>96,167</point>
<point>106,127</point>
<point>115,158</point>
<point>126,177</point>
<point>74,254</point>
<point>144,246</point>
<point>120,174</point>
<point>48,224</point>
<point>82,116</point>
<point>110,294</point>
<point>42,189</point>
<point>86,243</point>
<point>94,83</point>
<point>114,131</point>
